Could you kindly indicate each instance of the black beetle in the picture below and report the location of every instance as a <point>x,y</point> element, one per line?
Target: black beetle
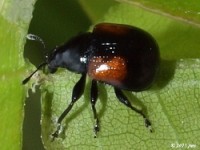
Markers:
<point>122,56</point>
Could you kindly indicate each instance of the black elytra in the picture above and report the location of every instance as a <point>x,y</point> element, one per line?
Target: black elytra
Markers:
<point>122,56</point>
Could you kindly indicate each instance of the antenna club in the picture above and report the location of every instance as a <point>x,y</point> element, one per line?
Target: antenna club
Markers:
<point>34,37</point>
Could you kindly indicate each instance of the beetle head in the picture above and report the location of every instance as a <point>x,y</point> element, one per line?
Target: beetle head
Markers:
<point>51,61</point>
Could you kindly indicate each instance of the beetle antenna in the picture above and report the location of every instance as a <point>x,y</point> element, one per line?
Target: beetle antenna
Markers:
<point>34,37</point>
<point>29,77</point>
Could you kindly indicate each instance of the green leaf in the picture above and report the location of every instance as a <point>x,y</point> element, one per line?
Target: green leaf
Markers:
<point>15,16</point>
<point>187,11</point>
<point>95,9</point>
<point>161,27</point>
<point>172,103</point>
<point>172,106</point>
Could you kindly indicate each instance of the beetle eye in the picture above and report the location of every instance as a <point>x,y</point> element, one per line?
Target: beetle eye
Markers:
<point>52,70</point>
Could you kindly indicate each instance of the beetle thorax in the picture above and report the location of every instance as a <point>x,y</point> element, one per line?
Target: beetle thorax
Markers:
<point>68,59</point>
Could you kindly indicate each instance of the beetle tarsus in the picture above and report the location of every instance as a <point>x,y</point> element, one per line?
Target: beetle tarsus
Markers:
<point>56,133</point>
<point>93,99</point>
<point>148,124</point>
<point>96,128</point>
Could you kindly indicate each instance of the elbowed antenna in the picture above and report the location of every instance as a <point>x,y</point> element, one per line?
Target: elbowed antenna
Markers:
<point>29,77</point>
<point>34,38</point>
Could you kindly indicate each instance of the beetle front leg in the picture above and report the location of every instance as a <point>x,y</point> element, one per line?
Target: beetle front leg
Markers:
<point>122,98</point>
<point>93,98</point>
<point>76,94</point>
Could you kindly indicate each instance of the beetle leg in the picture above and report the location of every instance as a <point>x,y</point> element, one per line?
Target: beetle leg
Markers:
<point>122,98</point>
<point>93,98</point>
<point>76,94</point>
